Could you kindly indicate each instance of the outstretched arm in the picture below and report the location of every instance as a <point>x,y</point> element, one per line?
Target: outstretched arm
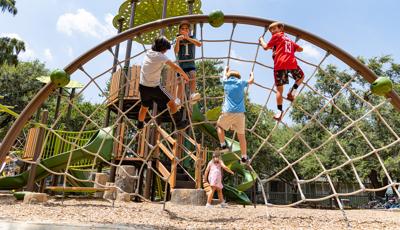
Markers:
<point>226,168</point>
<point>194,41</point>
<point>263,43</point>
<point>178,69</point>
<point>251,79</point>
<point>225,73</point>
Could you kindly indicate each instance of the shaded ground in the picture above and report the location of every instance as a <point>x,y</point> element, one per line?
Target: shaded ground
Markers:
<point>90,214</point>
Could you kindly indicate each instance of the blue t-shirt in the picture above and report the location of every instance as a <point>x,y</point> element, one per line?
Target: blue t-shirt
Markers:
<point>234,95</point>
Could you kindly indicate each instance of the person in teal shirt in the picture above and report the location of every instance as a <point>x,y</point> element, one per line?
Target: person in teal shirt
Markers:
<point>233,109</point>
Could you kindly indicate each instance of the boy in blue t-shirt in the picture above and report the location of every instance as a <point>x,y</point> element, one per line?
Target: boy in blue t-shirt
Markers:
<point>233,109</point>
<point>185,46</point>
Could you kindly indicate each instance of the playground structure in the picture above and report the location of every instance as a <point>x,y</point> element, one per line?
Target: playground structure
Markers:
<point>161,153</point>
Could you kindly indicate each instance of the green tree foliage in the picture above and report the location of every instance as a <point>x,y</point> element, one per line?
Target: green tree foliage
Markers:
<point>9,50</point>
<point>18,86</point>
<point>150,11</point>
<point>10,47</point>
<point>345,102</point>
<point>9,6</point>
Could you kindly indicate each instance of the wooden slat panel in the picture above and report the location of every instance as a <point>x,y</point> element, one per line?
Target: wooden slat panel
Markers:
<point>132,78</point>
<point>127,81</point>
<point>162,169</point>
<point>165,150</point>
<point>165,135</point>
<point>141,142</point>
<point>29,149</point>
<point>121,140</point>
<point>137,80</point>
<point>114,88</point>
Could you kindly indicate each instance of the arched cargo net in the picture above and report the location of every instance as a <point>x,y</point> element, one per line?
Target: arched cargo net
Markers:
<point>316,131</point>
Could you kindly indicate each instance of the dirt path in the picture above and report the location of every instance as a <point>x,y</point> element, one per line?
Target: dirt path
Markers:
<point>151,216</point>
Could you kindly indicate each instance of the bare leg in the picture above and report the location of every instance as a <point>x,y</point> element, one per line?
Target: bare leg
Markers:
<point>220,195</point>
<point>243,145</point>
<point>279,101</point>
<point>142,113</point>
<point>299,81</point>
<point>221,134</point>
<point>279,92</point>
<point>211,195</point>
<point>292,93</point>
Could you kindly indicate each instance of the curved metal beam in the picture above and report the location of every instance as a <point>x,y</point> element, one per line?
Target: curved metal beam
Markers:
<point>129,34</point>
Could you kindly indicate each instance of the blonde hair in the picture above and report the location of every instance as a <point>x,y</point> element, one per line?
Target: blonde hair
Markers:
<point>216,154</point>
<point>280,25</point>
<point>234,73</point>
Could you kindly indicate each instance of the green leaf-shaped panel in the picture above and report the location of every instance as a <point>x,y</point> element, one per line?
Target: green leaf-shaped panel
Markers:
<point>151,10</point>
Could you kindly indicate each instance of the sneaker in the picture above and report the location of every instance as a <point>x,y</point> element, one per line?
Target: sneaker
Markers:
<point>208,205</point>
<point>244,160</point>
<point>178,103</point>
<point>140,125</point>
<point>194,98</point>
<point>224,148</point>
<point>223,205</point>
<point>291,96</point>
<point>278,116</point>
<point>182,124</point>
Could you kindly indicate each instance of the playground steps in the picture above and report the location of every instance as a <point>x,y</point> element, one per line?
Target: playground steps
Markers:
<point>182,179</point>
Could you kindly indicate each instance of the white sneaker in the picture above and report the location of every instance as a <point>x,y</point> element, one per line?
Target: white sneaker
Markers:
<point>278,116</point>
<point>178,103</point>
<point>194,98</point>
<point>223,205</point>
<point>208,205</point>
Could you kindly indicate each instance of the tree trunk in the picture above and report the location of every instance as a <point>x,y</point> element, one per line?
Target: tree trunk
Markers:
<point>373,177</point>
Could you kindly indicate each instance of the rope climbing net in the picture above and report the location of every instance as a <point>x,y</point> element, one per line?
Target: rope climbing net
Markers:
<point>309,130</point>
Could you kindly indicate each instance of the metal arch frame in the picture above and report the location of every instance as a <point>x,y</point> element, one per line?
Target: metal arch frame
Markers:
<point>44,93</point>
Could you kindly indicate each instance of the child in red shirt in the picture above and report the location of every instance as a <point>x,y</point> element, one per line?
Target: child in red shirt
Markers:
<point>285,63</point>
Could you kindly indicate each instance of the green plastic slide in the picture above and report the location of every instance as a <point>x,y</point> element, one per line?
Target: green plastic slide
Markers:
<point>101,142</point>
<point>230,159</point>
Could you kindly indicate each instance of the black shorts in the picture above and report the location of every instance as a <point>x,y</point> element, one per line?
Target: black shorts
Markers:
<point>157,94</point>
<point>282,76</point>
<point>187,71</point>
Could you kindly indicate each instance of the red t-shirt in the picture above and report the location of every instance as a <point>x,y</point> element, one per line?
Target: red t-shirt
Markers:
<point>284,52</point>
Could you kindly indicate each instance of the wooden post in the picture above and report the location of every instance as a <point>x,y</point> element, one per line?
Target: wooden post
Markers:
<point>149,177</point>
<point>197,173</point>
<point>38,149</point>
<point>172,179</point>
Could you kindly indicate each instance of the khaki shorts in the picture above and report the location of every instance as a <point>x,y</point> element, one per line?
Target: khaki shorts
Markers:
<point>232,121</point>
